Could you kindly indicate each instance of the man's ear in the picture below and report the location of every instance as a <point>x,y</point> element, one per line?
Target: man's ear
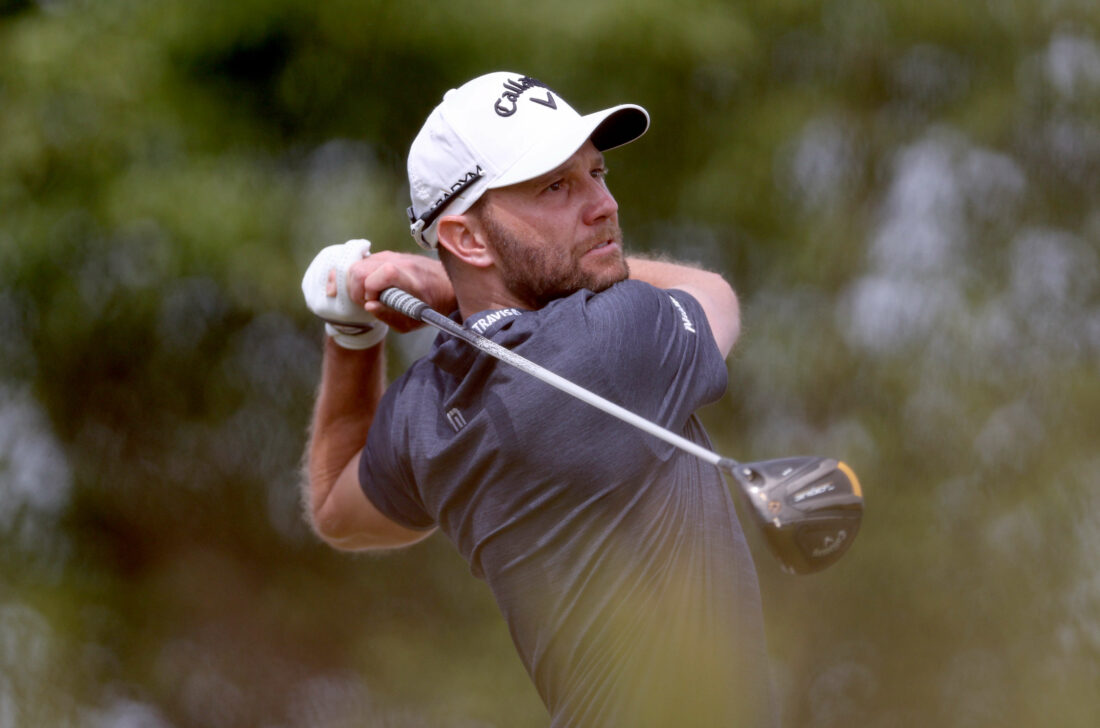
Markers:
<point>463,237</point>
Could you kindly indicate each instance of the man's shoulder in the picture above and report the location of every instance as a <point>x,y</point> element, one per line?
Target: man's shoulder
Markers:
<point>624,294</point>
<point>631,299</point>
<point>628,315</point>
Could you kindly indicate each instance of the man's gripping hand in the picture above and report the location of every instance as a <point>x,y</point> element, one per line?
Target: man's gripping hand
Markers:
<point>325,286</point>
<point>344,282</point>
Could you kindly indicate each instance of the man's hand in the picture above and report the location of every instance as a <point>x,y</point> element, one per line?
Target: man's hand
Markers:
<point>325,289</point>
<point>419,275</point>
<point>343,283</point>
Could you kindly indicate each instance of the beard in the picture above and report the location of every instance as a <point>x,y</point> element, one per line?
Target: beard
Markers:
<point>537,274</point>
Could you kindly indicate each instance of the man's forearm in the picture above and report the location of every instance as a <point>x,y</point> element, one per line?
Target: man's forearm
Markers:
<point>352,383</point>
<point>664,272</point>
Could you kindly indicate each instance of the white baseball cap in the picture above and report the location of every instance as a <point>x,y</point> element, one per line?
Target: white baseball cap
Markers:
<point>497,130</point>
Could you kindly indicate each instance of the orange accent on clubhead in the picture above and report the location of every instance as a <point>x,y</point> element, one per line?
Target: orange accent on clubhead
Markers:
<point>852,477</point>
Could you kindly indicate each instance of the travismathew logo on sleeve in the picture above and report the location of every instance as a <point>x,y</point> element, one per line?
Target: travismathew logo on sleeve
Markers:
<point>508,101</point>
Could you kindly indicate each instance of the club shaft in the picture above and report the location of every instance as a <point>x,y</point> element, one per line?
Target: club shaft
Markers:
<point>414,308</point>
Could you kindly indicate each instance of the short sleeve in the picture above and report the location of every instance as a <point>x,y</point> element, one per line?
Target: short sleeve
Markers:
<point>658,347</point>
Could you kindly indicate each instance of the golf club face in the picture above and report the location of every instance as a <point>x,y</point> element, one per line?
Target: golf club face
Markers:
<point>809,508</point>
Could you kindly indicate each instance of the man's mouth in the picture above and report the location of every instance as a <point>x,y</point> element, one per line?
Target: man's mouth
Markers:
<point>604,244</point>
<point>605,241</point>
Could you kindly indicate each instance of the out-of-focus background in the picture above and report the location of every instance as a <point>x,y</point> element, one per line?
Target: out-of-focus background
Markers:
<point>903,192</point>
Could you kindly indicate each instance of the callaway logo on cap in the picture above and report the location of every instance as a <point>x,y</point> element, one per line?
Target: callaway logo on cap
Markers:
<point>498,130</point>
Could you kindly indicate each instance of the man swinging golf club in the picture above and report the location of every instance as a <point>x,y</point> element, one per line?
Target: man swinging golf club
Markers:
<point>616,559</point>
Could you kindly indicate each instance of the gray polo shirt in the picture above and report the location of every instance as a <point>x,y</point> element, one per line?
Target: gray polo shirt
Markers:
<point>617,560</point>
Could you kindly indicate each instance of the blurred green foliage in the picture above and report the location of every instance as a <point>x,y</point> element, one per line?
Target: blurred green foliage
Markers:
<point>903,192</point>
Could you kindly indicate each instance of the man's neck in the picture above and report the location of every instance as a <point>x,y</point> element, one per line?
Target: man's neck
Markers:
<point>484,291</point>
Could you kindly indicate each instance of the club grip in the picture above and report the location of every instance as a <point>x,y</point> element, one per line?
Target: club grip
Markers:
<point>402,302</point>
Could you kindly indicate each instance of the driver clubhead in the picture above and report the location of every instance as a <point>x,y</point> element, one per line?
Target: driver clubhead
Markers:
<point>809,508</point>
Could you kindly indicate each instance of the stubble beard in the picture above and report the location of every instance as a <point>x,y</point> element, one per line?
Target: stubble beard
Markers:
<point>536,275</point>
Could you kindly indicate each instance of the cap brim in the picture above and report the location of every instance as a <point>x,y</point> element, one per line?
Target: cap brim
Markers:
<point>607,129</point>
<point>620,125</point>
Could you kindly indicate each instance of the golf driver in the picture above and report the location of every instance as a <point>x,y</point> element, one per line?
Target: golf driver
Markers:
<point>808,508</point>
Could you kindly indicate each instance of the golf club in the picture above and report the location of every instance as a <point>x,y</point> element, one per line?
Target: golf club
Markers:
<point>809,508</point>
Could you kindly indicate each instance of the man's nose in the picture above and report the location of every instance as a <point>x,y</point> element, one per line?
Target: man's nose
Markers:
<point>602,204</point>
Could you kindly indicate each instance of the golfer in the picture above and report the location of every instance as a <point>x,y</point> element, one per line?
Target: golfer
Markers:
<point>616,559</point>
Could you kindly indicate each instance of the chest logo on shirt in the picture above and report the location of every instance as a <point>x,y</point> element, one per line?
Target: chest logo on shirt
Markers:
<point>456,419</point>
<point>688,326</point>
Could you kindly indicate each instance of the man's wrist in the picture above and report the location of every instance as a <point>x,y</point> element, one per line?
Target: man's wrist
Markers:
<point>357,337</point>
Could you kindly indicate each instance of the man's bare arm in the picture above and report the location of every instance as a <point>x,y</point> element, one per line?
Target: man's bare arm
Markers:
<point>352,384</point>
<point>351,387</point>
<point>711,290</point>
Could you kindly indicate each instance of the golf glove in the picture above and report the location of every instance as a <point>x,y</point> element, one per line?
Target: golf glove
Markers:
<point>349,325</point>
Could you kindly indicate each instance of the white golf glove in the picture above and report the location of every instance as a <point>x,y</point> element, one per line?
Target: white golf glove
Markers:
<point>348,324</point>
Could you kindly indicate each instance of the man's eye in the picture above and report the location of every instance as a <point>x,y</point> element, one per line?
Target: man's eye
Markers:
<point>600,172</point>
<point>555,186</point>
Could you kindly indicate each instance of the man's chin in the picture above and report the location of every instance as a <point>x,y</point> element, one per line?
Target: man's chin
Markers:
<point>534,293</point>
<point>603,281</point>
<point>599,286</point>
